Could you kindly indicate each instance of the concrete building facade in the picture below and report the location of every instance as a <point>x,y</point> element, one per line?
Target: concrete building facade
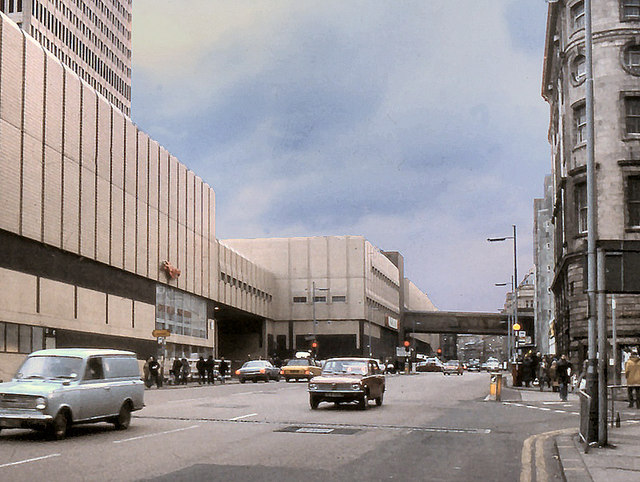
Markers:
<point>543,260</point>
<point>616,68</point>
<point>91,37</point>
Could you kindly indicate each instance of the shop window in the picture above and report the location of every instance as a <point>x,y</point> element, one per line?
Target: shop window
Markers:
<point>633,201</point>
<point>632,114</point>
<point>577,16</point>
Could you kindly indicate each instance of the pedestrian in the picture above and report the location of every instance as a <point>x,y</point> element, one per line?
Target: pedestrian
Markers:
<point>154,368</point>
<point>222,369</point>
<point>527,369</point>
<point>632,374</point>
<point>553,376</point>
<point>563,371</point>
<point>200,367</point>
<point>543,373</point>
<point>145,372</point>
<point>186,371</point>
<point>209,366</point>
<point>176,369</point>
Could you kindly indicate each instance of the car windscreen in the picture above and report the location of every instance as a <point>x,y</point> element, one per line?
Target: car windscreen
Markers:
<point>354,367</point>
<point>255,364</point>
<point>298,363</point>
<point>50,367</point>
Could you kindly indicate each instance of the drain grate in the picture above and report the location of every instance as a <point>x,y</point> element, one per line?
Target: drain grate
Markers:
<point>318,430</point>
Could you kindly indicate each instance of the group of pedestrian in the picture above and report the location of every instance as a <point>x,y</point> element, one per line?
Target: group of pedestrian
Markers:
<point>181,371</point>
<point>547,370</point>
<point>632,374</point>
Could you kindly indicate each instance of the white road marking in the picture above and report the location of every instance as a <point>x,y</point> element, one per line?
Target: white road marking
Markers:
<point>544,408</point>
<point>29,460</point>
<point>242,416</point>
<point>186,400</point>
<point>155,434</point>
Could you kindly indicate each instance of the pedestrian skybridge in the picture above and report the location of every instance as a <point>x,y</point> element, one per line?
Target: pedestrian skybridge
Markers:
<point>462,323</point>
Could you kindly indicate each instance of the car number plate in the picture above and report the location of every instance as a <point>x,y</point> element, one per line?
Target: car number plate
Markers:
<point>333,394</point>
<point>10,423</point>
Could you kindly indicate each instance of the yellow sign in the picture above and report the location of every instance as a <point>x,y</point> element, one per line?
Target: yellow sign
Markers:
<point>516,326</point>
<point>161,333</point>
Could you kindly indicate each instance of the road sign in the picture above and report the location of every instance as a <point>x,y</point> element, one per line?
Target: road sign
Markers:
<point>402,351</point>
<point>161,333</point>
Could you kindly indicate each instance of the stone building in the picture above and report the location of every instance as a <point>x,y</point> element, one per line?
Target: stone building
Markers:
<point>91,37</point>
<point>616,71</point>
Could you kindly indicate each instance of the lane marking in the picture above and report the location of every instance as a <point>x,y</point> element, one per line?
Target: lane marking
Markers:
<point>242,416</point>
<point>186,400</point>
<point>26,461</point>
<point>535,445</point>
<point>155,434</point>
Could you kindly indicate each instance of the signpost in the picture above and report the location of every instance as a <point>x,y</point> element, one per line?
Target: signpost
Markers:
<point>162,335</point>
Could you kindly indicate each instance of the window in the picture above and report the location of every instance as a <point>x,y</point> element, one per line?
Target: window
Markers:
<point>299,299</point>
<point>338,299</point>
<point>630,9</point>
<point>578,68</point>
<point>577,15</point>
<point>319,299</point>
<point>580,123</point>
<point>632,111</point>
<point>581,206</point>
<point>633,201</point>
<point>2,347</point>
<point>631,59</point>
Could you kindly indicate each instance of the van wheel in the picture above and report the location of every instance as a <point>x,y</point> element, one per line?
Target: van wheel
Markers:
<point>379,399</point>
<point>314,402</point>
<point>363,403</point>
<point>123,420</point>
<point>59,426</point>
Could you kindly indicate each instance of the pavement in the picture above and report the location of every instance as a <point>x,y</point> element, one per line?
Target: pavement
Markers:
<point>618,461</point>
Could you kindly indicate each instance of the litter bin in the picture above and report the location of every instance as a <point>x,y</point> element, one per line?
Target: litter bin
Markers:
<point>495,386</point>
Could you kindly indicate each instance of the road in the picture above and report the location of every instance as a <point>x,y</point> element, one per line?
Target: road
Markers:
<point>430,427</point>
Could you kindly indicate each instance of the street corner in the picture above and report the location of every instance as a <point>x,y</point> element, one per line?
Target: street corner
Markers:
<point>544,455</point>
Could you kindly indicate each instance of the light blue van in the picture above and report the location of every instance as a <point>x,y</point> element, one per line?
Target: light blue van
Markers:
<point>56,388</point>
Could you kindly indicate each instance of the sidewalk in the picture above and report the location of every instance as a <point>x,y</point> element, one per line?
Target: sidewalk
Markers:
<point>619,461</point>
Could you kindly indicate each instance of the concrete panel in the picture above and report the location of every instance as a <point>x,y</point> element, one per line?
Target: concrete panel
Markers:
<point>153,174</point>
<point>154,262</point>
<point>34,90</point>
<point>142,235</point>
<point>319,256</point>
<point>32,188</point>
<point>142,167</point>
<point>117,150</point>
<point>182,256</point>
<point>117,227</point>
<point>144,318</point>
<point>130,154</point>
<point>92,308</point>
<point>198,207</point>
<point>189,264</point>
<point>104,140</point>
<point>103,219</point>
<point>72,112</point>
<point>9,177</point>
<point>18,292</point>
<point>89,127</point>
<point>175,188</point>
<point>129,232</point>
<point>11,73</point>
<point>87,211</point>
<point>162,241</point>
<point>54,98</point>
<point>57,299</point>
<point>71,206</point>
<point>191,201</point>
<point>163,180</point>
<point>120,312</point>
<point>52,208</point>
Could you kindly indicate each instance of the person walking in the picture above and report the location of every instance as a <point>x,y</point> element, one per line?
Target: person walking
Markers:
<point>145,373</point>
<point>632,374</point>
<point>154,368</point>
<point>553,376</point>
<point>222,369</point>
<point>209,368</point>
<point>186,371</point>
<point>176,368</point>
<point>200,366</point>
<point>543,373</point>
<point>563,371</point>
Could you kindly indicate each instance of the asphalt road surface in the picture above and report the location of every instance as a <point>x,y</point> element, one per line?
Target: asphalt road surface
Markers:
<point>430,427</point>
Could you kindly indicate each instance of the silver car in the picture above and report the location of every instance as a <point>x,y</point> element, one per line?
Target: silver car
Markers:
<point>56,388</point>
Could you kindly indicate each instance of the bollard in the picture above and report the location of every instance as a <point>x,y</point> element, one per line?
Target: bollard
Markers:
<point>495,386</point>
<point>618,419</point>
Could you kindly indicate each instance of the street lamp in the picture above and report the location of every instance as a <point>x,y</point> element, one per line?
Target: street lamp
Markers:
<point>313,306</point>
<point>510,321</point>
<point>515,270</point>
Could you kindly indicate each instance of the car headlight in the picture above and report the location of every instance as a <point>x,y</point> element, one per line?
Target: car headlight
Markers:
<point>313,386</point>
<point>41,403</point>
<point>355,386</point>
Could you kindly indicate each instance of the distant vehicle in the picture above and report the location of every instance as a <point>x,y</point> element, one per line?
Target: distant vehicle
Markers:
<point>56,388</point>
<point>348,380</point>
<point>300,369</point>
<point>473,366</point>
<point>255,370</point>
<point>430,365</point>
<point>453,367</point>
<point>493,364</point>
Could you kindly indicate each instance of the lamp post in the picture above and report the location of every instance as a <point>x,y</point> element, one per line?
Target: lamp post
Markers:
<point>509,321</point>
<point>515,272</point>
<point>313,306</point>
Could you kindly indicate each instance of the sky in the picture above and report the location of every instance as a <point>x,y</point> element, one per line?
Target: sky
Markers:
<point>416,124</point>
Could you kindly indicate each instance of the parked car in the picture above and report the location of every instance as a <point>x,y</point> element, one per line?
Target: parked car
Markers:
<point>300,369</point>
<point>56,388</point>
<point>473,366</point>
<point>255,370</point>
<point>493,364</point>
<point>452,367</point>
<point>348,380</point>
<point>430,365</point>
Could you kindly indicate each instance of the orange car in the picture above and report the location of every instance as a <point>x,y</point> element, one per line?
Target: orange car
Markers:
<point>300,369</point>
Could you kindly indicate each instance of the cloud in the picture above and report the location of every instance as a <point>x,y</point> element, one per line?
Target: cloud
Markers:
<point>416,124</point>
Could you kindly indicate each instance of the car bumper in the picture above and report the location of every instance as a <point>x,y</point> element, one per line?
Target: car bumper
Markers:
<point>24,419</point>
<point>337,395</point>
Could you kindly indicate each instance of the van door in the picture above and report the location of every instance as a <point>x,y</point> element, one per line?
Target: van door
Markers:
<point>95,390</point>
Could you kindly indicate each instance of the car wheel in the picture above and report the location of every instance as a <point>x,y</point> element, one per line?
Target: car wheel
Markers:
<point>59,426</point>
<point>242,380</point>
<point>363,403</point>
<point>255,380</point>
<point>287,379</point>
<point>379,399</point>
<point>314,402</point>
<point>123,419</point>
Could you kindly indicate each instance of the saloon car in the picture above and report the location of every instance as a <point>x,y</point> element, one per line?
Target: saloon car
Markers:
<point>453,367</point>
<point>300,369</point>
<point>56,388</point>
<point>255,370</point>
<point>348,380</point>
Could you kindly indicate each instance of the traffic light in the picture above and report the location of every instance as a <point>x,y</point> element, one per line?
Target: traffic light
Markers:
<point>439,351</point>
<point>407,343</point>
<point>314,344</point>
